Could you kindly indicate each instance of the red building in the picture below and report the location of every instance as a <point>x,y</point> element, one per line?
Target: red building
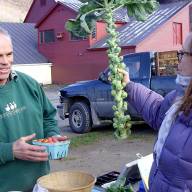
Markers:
<point>77,59</point>
<point>38,9</point>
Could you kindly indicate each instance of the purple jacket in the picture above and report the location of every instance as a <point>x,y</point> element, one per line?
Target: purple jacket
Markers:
<point>174,173</point>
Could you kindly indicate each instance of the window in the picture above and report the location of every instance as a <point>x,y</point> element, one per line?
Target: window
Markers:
<point>76,38</point>
<point>41,37</point>
<point>133,64</point>
<point>42,2</point>
<point>177,33</point>
<point>47,36</point>
<point>94,33</point>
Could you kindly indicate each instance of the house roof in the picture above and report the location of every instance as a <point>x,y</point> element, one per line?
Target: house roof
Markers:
<point>119,14</point>
<point>135,31</point>
<point>73,4</point>
<point>24,39</point>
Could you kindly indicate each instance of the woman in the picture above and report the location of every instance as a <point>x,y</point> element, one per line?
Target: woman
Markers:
<point>172,117</point>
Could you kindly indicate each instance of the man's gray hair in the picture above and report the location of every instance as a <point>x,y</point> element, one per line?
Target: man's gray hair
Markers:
<point>5,32</point>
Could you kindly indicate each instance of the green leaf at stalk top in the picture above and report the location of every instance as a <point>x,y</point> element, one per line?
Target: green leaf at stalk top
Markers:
<point>85,21</point>
<point>140,9</point>
<point>91,5</point>
<point>88,21</point>
<point>74,26</point>
<point>93,10</point>
<point>87,8</point>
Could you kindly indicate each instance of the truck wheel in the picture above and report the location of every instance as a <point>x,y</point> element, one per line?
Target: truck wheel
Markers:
<point>80,118</point>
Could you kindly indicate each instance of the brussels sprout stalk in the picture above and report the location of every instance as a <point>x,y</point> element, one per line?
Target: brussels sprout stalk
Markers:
<point>121,122</point>
<point>83,25</point>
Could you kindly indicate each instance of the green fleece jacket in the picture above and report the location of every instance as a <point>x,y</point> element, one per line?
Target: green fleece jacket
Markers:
<point>24,110</point>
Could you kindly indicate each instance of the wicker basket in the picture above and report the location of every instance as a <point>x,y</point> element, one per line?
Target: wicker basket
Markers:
<point>67,181</point>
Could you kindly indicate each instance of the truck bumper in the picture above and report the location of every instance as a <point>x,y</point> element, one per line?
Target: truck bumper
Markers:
<point>61,110</point>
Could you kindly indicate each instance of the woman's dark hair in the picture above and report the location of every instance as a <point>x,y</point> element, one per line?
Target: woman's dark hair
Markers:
<point>186,105</point>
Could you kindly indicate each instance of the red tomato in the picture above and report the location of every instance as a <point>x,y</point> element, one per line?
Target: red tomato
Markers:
<point>45,141</point>
<point>40,140</point>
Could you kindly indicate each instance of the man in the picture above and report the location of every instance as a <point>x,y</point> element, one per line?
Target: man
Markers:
<point>25,114</point>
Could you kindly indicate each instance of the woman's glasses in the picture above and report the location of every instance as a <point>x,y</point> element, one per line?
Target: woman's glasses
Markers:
<point>181,53</point>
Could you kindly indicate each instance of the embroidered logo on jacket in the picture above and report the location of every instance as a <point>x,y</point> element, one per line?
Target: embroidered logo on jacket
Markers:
<point>11,109</point>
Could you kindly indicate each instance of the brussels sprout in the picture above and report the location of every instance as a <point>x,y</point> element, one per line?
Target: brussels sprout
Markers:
<point>111,56</point>
<point>124,84</point>
<point>113,92</point>
<point>124,95</point>
<point>117,113</point>
<point>114,70</point>
<point>114,108</point>
<point>117,50</point>
<point>117,99</point>
<point>113,33</point>
<point>121,58</point>
<point>128,125</point>
<point>128,117</point>
<point>118,85</point>
<point>125,106</point>
<point>122,65</point>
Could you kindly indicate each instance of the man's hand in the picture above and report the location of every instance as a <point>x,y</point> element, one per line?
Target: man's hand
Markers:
<point>25,151</point>
<point>59,138</point>
<point>126,78</point>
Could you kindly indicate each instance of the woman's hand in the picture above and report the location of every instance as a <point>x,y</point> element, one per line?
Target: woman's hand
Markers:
<point>24,151</point>
<point>126,78</point>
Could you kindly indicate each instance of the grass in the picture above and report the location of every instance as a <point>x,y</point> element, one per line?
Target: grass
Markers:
<point>89,138</point>
<point>141,137</point>
<point>94,137</point>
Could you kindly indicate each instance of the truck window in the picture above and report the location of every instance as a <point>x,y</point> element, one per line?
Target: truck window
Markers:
<point>134,64</point>
<point>166,63</point>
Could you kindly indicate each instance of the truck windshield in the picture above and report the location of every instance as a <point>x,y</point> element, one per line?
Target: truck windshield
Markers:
<point>133,65</point>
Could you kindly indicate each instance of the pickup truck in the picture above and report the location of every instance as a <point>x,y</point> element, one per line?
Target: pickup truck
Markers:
<point>89,103</point>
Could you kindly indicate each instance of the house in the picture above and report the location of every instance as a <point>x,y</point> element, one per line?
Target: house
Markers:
<point>41,7</point>
<point>76,59</point>
<point>58,48</point>
<point>27,59</point>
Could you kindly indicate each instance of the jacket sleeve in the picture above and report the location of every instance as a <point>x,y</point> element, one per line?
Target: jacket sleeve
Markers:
<point>49,114</point>
<point>6,153</point>
<point>149,104</point>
